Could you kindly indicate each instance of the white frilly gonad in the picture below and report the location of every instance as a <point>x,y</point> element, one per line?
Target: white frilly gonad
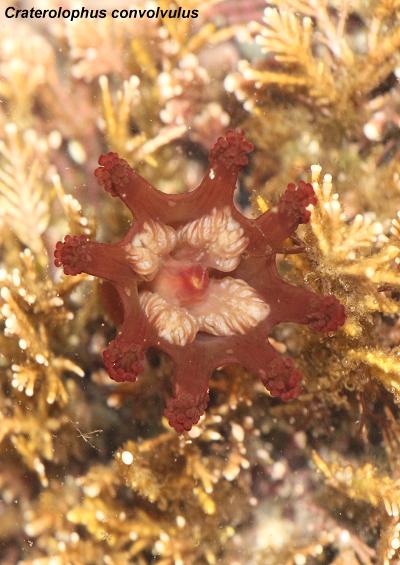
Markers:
<point>181,297</point>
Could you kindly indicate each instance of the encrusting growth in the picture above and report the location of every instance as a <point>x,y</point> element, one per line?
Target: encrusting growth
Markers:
<point>198,280</point>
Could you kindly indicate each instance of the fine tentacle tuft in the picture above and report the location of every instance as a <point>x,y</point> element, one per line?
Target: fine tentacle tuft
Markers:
<point>295,201</point>
<point>329,316</point>
<point>72,254</point>
<point>113,173</point>
<point>123,362</point>
<point>183,411</point>
<point>283,379</point>
<point>231,150</point>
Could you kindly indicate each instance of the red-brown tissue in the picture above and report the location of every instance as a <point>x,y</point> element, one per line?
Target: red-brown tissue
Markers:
<point>195,349</point>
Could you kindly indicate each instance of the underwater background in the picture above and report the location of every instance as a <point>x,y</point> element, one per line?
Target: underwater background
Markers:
<point>90,470</point>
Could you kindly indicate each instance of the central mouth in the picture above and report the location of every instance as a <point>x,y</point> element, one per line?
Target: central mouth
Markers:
<point>182,283</point>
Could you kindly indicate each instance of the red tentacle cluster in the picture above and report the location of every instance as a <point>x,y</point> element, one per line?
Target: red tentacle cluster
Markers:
<point>72,254</point>
<point>113,173</point>
<point>124,362</point>
<point>185,409</point>
<point>295,201</point>
<point>328,315</point>
<point>231,150</point>
<point>198,280</point>
<point>283,379</point>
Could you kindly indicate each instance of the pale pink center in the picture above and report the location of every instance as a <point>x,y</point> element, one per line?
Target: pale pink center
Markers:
<point>181,283</point>
<point>178,295</point>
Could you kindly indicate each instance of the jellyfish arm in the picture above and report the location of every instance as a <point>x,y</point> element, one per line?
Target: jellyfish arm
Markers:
<point>78,254</point>
<point>120,180</point>
<point>124,355</point>
<point>322,313</point>
<point>226,158</point>
<point>195,363</point>
<point>277,224</point>
<point>278,374</point>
